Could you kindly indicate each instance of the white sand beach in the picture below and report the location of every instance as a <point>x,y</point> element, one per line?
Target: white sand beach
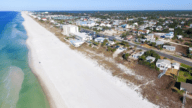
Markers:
<point>72,80</point>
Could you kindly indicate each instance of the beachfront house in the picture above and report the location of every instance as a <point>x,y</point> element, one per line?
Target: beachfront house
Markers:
<point>100,39</point>
<point>150,59</point>
<point>162,64</point>
<point>170,48</point>
<point>137,55</point>
<point>159,43</point>
<point>186,87</point>
<point>76,43</point>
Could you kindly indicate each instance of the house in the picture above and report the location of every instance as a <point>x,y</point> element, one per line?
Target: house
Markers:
<point>131,19</point>
<point>134,30</point>
<point>108,25</point>
<point>169,35</point>
<point>150,37</point>
<point>68,29</point>
<point>150,59</point>
<point>102,24</point>
<point>170,48</point>
<point>116,22</point>
<point>100,39</point>
<point>129,37</point>
<point>52,21</point>
<point>182,22</point>
<point>186,87</point>
<point>82,36</point>
<point>175,65</point>
<point>171,29</point>
<point>44,19</point>
<point>143,40</point>
<point>86,23</point>
<point>124,25</point>
<point>190,25</point>
<point>137,55</point>
<point>190,50</point>
<point>135,24</point>
<point>99,28</point>
<point>159,28</point>
<point>76,43</point>
<point>159,43</point>
<point>143,32</point>
<point>179,36</point>
<point>162,64</point>
<point>111,42</point>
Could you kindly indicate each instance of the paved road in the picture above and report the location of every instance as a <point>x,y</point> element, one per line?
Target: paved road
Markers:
<point>158,52</point>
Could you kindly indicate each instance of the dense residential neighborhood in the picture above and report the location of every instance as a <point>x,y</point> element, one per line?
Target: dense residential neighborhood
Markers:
<point>145,40</point>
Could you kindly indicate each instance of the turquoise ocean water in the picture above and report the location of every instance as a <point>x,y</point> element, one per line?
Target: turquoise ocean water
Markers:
<point>19,88</point>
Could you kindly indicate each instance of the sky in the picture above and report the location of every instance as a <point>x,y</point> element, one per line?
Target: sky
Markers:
<point>18,5</point>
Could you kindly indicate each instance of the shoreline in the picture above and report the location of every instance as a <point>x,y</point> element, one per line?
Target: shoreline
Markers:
<point>45,89</point>
<point>84,96</point>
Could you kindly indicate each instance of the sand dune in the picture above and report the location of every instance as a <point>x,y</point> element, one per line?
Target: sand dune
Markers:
<point>70,79</point>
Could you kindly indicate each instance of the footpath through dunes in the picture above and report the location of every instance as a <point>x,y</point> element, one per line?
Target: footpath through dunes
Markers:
<point>71,79</point>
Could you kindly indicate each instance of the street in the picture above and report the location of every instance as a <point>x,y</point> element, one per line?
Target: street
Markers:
<point>158,52</point>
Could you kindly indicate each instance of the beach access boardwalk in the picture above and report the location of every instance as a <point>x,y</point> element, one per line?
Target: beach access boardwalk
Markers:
<point>72,79</point>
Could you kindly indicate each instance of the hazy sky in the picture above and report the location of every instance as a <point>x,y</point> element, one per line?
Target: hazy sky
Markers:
<point>96,5</point>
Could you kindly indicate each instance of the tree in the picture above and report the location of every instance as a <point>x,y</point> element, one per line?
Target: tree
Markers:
<point>104,42</point>
<point>156,38</point>
<point>125,56</point>
<point>153,44</point>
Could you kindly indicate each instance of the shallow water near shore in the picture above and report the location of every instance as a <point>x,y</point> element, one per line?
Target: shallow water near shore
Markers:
<point>19,88</point>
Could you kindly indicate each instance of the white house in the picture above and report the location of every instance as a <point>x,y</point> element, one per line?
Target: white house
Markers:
<point>159,28</point>
<point>76,43</point>
<point>190,25</point>
<point>102,24</point>
<point>169,35</point>
<point>52,21</point>
<point>100,39</point>
<point>171,29</point>
<point>150,37</point>
<point>44,19</point>
<point>179,36</point>
<point>170,48</point>
<point>137,55</point>
<point>82,36</point>
<point>150,59</point>
<point>68,29</point>
<point>159,43</point>
<point>108,25</point>
<point>162,64</point>
<point>175,65</point>
<point>39,18</point>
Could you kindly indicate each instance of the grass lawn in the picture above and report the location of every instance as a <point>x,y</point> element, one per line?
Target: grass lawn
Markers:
<point>185,66</point>
<point>183,76</point>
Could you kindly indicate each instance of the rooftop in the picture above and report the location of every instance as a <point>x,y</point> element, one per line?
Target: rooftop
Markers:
<point>187,86</point>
